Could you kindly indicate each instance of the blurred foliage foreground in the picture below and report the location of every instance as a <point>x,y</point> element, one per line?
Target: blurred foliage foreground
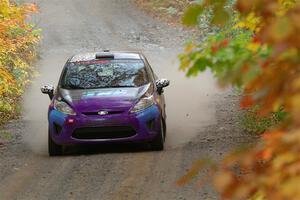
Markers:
<point>256,48</point>
<point>18,40</point>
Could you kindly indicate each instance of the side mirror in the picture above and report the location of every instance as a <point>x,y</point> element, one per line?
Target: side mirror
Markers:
<point>48,89</point>
<point>162,83</point>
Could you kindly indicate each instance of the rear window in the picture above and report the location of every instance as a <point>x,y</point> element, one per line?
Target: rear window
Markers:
<point>105,74</point>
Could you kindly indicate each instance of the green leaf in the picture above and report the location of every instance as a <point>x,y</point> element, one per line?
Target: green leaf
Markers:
<point>202,64</point>
<point>221,17</point>
<point>191,15</point>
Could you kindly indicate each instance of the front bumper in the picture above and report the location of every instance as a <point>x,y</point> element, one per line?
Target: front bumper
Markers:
<point>146,125</point>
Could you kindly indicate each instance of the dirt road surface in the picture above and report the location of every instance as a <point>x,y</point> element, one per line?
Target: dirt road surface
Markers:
<point>200,117</point>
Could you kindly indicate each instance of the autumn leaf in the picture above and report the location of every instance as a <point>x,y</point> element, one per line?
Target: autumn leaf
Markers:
<point>246,102</point>
<point>192,14</point>
<point>17,50</point>
<point>191,174</point>
<point>262,60</point>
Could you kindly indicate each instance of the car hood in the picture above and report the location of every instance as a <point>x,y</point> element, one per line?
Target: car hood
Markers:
<point>106,99</point>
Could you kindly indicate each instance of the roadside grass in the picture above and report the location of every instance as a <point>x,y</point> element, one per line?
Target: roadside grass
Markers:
<point>6,136</point>
<point>253,123</point>
<point>168,10</point>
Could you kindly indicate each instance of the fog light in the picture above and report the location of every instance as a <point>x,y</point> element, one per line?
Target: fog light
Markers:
<point>151,124</point>
<point>70,121</point>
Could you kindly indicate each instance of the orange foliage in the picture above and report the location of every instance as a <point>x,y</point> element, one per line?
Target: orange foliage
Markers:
<point>17,49</point>
<point>269,169</point>
<point>273,165</point>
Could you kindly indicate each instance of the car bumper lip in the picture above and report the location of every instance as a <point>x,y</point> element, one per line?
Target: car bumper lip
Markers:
<point>62,132</point>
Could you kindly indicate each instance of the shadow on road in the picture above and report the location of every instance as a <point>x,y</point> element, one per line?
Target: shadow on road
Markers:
<point>78,150</point>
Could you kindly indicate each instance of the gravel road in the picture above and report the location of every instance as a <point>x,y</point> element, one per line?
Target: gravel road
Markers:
<point>201,120</point>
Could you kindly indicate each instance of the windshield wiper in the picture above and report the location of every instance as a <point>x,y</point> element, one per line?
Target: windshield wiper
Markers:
<point>91,88</point>
<point>73,87</point>
<point>113,86</point>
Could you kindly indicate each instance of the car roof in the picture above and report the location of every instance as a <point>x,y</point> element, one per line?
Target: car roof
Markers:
<point>117,55</point>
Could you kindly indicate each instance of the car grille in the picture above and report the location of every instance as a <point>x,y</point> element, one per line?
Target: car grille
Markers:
<point>108,113</point>
<point>111,132</point>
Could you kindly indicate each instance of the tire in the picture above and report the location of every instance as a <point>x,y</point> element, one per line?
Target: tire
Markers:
<point>159,141</point>
<point>53,148</point>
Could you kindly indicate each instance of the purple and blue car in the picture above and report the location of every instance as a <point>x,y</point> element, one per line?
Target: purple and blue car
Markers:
<point>106,97</point>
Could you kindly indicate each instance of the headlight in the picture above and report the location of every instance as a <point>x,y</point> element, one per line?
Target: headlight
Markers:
<point>144,103</point>
<point>63,107</point>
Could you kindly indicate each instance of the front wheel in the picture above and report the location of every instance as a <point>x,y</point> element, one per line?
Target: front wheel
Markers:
<point>159,141</point>
<point>53,148</point>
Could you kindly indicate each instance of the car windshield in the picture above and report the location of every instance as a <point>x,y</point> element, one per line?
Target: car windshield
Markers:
<point>105,74</point>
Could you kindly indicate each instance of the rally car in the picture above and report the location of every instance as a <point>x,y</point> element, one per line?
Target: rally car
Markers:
<point>106,97</point>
